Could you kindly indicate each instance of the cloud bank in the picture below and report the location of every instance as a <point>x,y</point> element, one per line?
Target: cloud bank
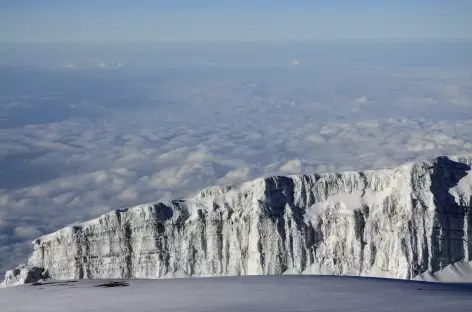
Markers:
<point>93,141</point>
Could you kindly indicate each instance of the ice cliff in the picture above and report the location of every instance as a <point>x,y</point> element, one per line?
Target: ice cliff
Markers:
<point>389,223</point>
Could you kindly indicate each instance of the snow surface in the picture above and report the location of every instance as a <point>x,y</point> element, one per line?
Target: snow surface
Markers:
<point>395,223</point>
<point>459,272</point>
<point>261,293</point>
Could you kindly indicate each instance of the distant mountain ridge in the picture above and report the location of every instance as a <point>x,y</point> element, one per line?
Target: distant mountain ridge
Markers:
<point>395,223</point>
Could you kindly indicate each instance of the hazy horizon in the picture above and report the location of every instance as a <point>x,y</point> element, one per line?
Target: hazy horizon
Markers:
<point>185,20</point>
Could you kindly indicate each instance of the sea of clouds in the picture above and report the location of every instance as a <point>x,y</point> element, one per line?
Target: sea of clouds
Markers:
<point>87,129</point>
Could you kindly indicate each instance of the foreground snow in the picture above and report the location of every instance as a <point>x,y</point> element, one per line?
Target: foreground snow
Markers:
<point>262,293</point>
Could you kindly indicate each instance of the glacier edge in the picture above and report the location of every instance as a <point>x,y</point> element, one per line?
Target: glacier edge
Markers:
<point>395,223</point>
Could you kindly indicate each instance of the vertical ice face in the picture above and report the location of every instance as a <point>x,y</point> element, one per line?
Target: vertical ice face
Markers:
<point>389,223</point>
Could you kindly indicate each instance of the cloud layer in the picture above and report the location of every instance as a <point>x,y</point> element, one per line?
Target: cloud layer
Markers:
<point>124,138</point>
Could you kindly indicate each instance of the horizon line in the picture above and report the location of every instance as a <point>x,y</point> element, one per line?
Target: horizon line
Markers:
<point>314,40</point>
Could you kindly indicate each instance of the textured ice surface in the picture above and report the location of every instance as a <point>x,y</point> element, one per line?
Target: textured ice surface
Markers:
<point>23,274</point>
<point>394,223</point>
<point>248,293</point>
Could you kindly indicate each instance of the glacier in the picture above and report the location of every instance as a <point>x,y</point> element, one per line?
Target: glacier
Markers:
<point>394,223</point>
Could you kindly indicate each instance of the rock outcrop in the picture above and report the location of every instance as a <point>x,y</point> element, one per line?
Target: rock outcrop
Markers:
<point>394,223</point>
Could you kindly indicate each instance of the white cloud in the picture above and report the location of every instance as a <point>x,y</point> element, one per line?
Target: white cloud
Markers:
<point>361,99</point>
<point>4,199</point>
<point>293,166</point>
<point>128,194</point>
<point>27,232</point>
<point>64,198</point>
<point>296,62</point>
<point>200,155</point>
<point>167,178</point>
<point>68,65</point>
<point>109,65</point>
<point>99,176</point>
<point>236,176</point>
<point>316,139</point>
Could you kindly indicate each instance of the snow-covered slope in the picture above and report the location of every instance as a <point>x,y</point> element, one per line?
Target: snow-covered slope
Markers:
<point>235,294</point>
<point>459,272</point>
<point>393,223</point>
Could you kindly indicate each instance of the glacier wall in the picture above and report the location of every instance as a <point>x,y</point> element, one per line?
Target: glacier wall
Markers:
<point>393,223</point>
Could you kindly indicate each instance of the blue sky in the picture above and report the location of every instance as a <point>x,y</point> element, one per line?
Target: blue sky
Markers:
<point>211,20</point>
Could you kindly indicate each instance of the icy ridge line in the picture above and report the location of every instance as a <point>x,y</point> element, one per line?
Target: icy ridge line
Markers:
<point>394,223</point>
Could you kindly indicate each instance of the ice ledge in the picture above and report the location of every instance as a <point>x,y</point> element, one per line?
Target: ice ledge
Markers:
<point>23,274</point>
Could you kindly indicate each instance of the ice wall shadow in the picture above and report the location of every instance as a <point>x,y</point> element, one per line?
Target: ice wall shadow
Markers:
<point>453,220</point>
